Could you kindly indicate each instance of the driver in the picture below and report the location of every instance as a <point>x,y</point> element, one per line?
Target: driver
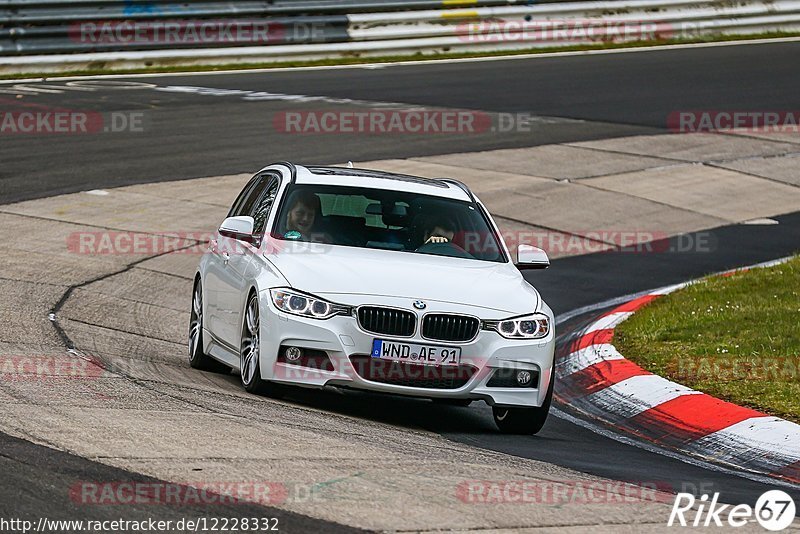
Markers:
<point>439,229</point>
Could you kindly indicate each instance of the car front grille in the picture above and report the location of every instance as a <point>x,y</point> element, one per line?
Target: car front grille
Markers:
<point>387,321</point>
<point>445,327</point>
<point>411,375</point>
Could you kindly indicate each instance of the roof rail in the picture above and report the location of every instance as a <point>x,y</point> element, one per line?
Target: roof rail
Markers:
<point>460,185</point>
<point>289,165</point>
<point>370,173</point>
<point>382,174</point>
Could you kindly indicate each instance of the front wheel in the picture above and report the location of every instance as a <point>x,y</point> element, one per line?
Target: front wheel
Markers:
<point>197,358</point>
<point>525,420</point>
<point>250,351</point>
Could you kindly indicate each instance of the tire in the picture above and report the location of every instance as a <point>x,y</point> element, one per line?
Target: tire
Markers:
<point>197,358</point>
<point>249,353</point>
<point>525,421</point>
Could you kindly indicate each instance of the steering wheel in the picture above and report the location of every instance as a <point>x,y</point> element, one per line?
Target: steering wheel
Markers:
<point>444,249</point>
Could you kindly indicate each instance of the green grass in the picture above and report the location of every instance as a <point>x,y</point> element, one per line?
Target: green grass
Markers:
<point>735,337</point>
<point>357,60</point>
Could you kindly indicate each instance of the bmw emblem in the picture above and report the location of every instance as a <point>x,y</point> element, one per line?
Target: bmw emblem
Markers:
<point>420,305</point>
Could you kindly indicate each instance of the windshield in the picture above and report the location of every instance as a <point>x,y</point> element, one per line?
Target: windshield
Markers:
<point>388,220</point>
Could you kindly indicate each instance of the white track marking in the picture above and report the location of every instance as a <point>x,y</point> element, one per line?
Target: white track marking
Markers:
<point>608,321</point>
<point>636,394</point>
<point>29,90</point>
<point>252,96</point>
<point>616,301</point>
<point>668,289</point>
<point>36,88</point>
<point>765,437</point>
<point>755,477</point>
<point>586,357</point>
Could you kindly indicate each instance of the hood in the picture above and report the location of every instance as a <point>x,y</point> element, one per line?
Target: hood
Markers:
<point>329,270</point>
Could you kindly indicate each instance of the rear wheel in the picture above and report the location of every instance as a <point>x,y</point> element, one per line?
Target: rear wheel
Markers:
<point>524,420</point>
<point>197,358</point>
<point>249,353</point>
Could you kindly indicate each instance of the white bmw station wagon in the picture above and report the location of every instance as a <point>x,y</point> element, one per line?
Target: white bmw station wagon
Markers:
<point>331,276</point>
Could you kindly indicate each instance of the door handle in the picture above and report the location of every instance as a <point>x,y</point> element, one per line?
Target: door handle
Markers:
<point>225,258</point>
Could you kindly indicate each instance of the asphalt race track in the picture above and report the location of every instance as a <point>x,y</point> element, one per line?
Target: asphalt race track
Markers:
<point>193,133</point>
<point>190,135</point>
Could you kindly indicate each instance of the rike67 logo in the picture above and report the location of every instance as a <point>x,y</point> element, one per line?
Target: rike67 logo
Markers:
<point>774,511</point>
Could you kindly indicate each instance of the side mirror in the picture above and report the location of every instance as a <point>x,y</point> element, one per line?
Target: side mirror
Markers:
<point>530,257</point>
<point>238,228</point>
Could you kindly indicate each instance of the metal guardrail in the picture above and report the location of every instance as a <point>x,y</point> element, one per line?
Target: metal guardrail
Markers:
<point>545,24</point>
<point>308,30</point>
<point>76,37</point>
<point>48,26</point>
<point>44,11</point>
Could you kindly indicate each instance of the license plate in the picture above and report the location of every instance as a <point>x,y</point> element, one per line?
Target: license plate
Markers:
<point>415,353</point>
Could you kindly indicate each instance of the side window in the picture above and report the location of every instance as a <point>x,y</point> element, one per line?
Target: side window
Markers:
<point>251,196</point>
<point>246,192</point>
<point>249,203</point>
<point>264,205</point>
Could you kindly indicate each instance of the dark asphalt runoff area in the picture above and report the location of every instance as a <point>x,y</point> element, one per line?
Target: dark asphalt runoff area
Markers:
<point>40,482</point>
<point>191,134</point>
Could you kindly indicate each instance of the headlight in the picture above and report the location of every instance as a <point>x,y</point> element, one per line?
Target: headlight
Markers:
<point>534,326</point>
<point>297,303</point>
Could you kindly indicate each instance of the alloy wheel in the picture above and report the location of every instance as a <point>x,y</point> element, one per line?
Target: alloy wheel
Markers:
<point>250,342</point>
<point>196,322</point>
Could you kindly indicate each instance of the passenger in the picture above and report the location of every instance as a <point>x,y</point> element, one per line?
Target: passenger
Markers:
<point>304,211</point>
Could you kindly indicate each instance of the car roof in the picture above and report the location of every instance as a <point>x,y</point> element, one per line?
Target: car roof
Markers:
<point>374,179</point>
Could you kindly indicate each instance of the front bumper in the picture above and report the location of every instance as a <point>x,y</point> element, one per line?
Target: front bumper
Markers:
<point>341,338</point>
